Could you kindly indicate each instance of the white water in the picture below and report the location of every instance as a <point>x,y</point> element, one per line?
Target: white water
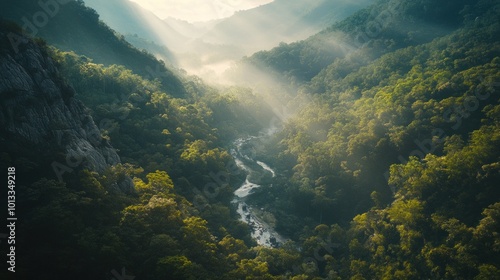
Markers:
<point>266,167</point>
<point>245,189</point>
<point>262,232</point>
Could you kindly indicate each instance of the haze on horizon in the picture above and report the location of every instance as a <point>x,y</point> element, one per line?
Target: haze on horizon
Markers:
<point>208,48</point>
<point>198,10</point>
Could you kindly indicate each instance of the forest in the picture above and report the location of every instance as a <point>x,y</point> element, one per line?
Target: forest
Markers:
<point>387,168</point>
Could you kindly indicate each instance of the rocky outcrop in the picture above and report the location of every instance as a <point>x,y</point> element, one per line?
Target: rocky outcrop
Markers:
<point>38,110</point>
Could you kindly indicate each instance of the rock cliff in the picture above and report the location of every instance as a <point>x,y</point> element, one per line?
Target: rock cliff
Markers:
<point>39,117</point>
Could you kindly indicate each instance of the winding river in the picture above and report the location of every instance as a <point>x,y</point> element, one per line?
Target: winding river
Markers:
<point>259,174</point>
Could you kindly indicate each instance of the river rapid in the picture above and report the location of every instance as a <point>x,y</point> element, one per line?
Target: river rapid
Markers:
<point>259,175</point>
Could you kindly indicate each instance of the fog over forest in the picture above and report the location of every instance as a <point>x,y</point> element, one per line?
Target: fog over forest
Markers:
<point>285,139</point>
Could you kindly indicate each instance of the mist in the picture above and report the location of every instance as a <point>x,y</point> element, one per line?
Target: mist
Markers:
<point>293,140</point>
<point>210,48</point>
<point>222,51</point>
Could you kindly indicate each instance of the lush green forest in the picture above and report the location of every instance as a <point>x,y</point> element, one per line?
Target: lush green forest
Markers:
<point>71,26</point>
<point>391,170</point>
<point>163,142</point>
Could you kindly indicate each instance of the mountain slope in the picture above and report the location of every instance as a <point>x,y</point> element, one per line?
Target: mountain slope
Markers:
<point>399,151</point>
<point>38,110</point>
<point>74,193</point>
<point>129,18</point>
<point>381,28</point>
<point>265,26</point>
<point>74,27</point>
<point>208,48</point>
<point>389,171</point>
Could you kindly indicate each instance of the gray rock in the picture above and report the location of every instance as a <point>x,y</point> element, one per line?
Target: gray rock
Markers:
<point>37,107</point>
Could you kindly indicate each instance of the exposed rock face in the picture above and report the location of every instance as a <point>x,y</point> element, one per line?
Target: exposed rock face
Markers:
<point>37,109</point>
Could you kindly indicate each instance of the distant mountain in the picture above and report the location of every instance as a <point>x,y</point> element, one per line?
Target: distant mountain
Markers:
<point>128,17</point>
<point>210,47</point>
<point>369,33</point>
<point>280,21</point>
<point>158,50</point>
<point>191,29</point>
<point>386,154</point>
<point>74,27</point>
<point>262,28</point>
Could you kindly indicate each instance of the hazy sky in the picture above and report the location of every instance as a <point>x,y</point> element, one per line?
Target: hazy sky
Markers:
<point>198,10</point>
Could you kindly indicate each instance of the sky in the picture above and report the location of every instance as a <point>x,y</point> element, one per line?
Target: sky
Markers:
<point>198,10</point>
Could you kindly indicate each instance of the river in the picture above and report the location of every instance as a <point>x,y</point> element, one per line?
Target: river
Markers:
<point>259,174</point>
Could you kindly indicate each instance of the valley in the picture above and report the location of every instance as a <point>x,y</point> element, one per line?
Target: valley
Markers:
<point>259,175</point>
<point>289,140</point>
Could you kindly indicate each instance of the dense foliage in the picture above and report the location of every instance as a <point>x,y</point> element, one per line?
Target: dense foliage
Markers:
<point>71,26</point>
<point>412,139</point>
<point>354,42</point>
<point>163,142</point>
<point>391,171</point>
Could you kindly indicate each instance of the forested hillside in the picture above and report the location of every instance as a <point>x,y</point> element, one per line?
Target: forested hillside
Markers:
<point>71,26</point>
<point>411,137</point>
<point>390,170</point>
<point>371,32</point>
<point>267,25</point>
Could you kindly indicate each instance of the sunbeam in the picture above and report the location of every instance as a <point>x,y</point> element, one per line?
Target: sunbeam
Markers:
<point>206,39</point>
<point>277,139</point>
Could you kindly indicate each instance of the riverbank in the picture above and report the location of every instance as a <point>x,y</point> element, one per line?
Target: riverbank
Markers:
<point>259,175</point>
